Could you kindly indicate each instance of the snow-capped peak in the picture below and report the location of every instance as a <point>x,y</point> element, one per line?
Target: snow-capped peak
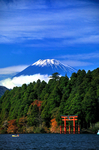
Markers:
<point>46,62</point>
<point>47,66</point>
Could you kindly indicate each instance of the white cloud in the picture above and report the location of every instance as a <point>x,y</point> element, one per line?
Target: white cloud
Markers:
<point>86,39</point>
<point>12,69</point>
<point>7,83</point>
<point>18,81</point>
<point>76,63</point>
<point>82,56</point>
<point>22,20</point>
<point>79,60</point>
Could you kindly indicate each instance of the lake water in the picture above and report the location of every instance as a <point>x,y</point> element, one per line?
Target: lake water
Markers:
<point>49,142</point>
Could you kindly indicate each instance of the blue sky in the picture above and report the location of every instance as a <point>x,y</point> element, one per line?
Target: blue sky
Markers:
<point>66,30</point>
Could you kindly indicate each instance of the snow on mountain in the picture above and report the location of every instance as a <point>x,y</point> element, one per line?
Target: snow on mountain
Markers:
<point>46,62</point>
<point>47,66</point>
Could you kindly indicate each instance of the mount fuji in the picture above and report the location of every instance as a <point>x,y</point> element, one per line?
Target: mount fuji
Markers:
<point>47,66</point>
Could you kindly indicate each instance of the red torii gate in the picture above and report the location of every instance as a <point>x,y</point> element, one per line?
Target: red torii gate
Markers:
<point>69,118</point>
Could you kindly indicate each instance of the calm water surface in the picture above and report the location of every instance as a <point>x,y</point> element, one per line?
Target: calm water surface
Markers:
<point>50,142</point>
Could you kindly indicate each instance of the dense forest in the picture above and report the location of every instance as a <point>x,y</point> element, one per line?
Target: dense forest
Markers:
<point>37,107</point>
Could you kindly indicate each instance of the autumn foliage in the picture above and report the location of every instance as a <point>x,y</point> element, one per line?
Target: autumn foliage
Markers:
<point>54,127</point>
<point>37,102</point>
<point>12,127</point>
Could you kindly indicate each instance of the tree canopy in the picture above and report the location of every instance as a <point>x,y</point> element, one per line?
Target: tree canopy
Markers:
<point>36,104</point>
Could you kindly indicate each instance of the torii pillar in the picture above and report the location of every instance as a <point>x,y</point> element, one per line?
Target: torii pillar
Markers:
<point>65,125</point>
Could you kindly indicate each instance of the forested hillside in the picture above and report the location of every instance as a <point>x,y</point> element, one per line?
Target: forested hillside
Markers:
<point>37,107</point>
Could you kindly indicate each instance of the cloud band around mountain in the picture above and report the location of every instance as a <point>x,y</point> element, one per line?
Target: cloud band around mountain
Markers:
<point>18,81</point>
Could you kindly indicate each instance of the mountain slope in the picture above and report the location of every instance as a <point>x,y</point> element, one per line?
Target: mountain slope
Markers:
<point>2,90</point>
<point>47,66</point>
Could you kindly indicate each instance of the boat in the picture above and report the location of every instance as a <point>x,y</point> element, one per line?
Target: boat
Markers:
<point>15,135</point>
<point>98,132</point>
